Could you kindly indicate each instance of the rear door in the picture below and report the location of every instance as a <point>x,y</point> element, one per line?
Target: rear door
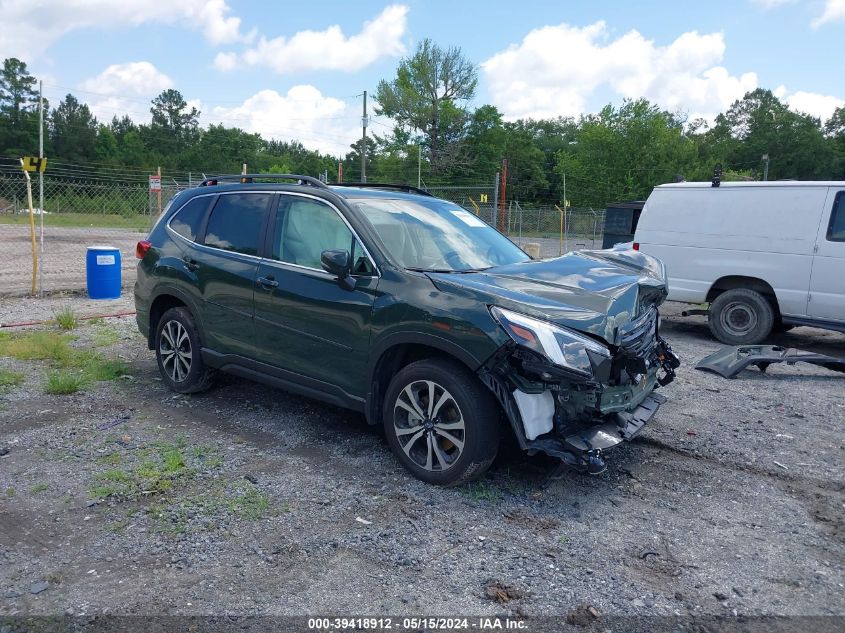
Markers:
<point>225,264</point>
<point>305,322</point>
<point>827,281</point>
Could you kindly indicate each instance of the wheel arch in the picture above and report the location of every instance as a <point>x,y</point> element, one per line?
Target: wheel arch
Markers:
<point>731,282</point>
<point>164,299</point>
<point>400,349</point>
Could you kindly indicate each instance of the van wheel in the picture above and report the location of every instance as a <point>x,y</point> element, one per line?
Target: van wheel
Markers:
<point>741,317</point>
<point>441,422</point>
<point>177,345</point>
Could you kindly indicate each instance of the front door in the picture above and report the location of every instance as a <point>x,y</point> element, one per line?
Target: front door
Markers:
<point>226,263</point>
<point>305,322</point>
<point>827,282</point>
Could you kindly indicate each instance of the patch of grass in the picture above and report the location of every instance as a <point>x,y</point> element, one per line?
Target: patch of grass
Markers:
<point>114,474</point>
<point>9,378</point>
<point>10,492</point>
<point>96,321</point>
<point>66,318</point>
<point>112,459</point>
<point>62,382</point>
<point>158,472</point>
<point>133,221</point>
<point>37,346</point>
<point>104,336</point>
<point>250,505</point>
<point>38,488</point>
<point>103,369</point>
<point>481,491</point>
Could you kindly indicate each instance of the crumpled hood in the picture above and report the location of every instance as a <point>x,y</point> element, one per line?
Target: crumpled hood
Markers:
<point>592,291</point>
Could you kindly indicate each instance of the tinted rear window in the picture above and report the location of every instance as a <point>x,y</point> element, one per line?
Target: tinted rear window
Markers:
<point>187,220</point>
<point>235,222</point>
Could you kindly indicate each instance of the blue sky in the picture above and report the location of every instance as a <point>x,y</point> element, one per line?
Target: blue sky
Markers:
<point>294,70</point>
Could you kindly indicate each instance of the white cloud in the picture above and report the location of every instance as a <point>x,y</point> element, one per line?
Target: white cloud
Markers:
<point>556,69</point>
<point>122,88</point>
<point>834,10</point>
<point>29,27</point>
<point>812,103</point>
<point>326,50</point>
<point>303,114</point>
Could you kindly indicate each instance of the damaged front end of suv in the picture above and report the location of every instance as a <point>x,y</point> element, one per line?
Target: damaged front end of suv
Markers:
<point>578,375</point>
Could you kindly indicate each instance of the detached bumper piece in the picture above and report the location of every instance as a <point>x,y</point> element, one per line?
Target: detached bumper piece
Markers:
<point>730,361</point>
<point>626,426</point>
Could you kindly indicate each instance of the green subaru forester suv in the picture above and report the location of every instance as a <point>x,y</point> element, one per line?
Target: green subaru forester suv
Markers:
<point>409,309</point>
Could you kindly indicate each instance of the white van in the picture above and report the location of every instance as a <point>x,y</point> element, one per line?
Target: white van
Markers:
<point>765,255</point>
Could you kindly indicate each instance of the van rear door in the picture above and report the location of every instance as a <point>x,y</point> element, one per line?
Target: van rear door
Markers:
<point>827,282</point>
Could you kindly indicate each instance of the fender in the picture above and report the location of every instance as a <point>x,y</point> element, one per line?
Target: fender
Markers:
<point>184,297</point>
<point>382,345</point>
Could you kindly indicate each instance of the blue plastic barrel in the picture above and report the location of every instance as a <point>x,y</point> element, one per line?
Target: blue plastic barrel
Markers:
<point>102,267</point>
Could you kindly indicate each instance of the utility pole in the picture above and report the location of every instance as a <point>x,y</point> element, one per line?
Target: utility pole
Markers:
<point>503,195</point>
<point>765,158</point>
<point>419,165</point>
<point>364,142</point>
<point>41,188</point>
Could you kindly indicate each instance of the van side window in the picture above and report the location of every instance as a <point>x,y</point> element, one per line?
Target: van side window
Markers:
<point>836,228</point>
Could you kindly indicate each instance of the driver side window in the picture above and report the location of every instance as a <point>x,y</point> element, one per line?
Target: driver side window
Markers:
<point>304,229</point>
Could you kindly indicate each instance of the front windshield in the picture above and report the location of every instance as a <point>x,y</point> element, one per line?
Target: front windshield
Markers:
<point>436,235</point>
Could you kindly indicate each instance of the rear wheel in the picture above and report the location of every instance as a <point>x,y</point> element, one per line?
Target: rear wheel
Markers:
<point>177,345</point>
<point>741,317</point>
<point>441,422</point>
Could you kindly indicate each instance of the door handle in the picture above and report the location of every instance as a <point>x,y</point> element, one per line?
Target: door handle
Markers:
<point>268,282</point>
<point>190,264</point>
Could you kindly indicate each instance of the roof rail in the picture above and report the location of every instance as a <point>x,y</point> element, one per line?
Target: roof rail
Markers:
<point>383,185</point>
<point>248,178</point>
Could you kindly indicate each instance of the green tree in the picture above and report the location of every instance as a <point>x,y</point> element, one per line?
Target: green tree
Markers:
<point>428,97</point>
<point>73,130</point>
<point>835,131</point>
<point>484,145</point>
<point>759,124</point>
<point>18,108</point>
<point>174,126</point>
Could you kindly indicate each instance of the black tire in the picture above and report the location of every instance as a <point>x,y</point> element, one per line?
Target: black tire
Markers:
<point>741,317</point>
<point>462,399</point>
<point>183,370</point>
<point>780,327</point>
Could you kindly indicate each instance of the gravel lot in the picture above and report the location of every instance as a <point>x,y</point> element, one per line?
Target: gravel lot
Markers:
<point>64,256</point>
<point>248,500</point>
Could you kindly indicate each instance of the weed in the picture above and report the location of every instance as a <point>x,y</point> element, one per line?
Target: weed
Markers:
<point>96,321</point>
<point>481,491</point>
<point>250,505</point>
<point>112,459</point>
<point>66,318</point>
<point>38,488</point>
<point>10,492</point>
<point>105,337</point>
<point>9,378</point>
<point>103,369</point>
<point>37,346</point>
<point>114,474</point>
<point>62,382</point>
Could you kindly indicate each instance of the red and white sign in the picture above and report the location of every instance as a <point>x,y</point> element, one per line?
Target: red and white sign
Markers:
<point>155,183</point>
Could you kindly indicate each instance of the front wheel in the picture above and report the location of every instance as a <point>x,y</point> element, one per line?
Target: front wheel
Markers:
<point>741,317</point>
<point>177,345</point>
<point>441,422</point>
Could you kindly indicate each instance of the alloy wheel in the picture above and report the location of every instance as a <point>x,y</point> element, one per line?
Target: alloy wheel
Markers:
<point>175,350</point>
<point>429,425</point>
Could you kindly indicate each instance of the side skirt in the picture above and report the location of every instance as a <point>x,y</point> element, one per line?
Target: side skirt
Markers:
<point>282,379</point>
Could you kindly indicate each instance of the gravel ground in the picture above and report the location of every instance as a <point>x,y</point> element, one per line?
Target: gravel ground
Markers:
<point>249,500</point>
<point>64,256</point>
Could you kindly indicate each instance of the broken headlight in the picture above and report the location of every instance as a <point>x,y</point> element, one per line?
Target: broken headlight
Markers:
<point>560,345</point>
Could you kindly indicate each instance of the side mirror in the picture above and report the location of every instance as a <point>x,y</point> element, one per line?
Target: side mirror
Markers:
<point>336,262</point>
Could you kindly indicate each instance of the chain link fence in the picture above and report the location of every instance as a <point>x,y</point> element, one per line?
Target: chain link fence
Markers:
<point>118,210</point>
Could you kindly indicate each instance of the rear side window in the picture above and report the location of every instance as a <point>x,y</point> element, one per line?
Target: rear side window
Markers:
<point>188,219</point>
<point>836,228</point>
<point>235,222</point>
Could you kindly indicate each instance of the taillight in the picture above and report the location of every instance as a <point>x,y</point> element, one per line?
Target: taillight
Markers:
<point>636,246</point>
<point>141,248</point>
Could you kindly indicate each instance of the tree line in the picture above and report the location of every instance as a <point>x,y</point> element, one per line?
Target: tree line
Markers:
<point>619,153</point>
